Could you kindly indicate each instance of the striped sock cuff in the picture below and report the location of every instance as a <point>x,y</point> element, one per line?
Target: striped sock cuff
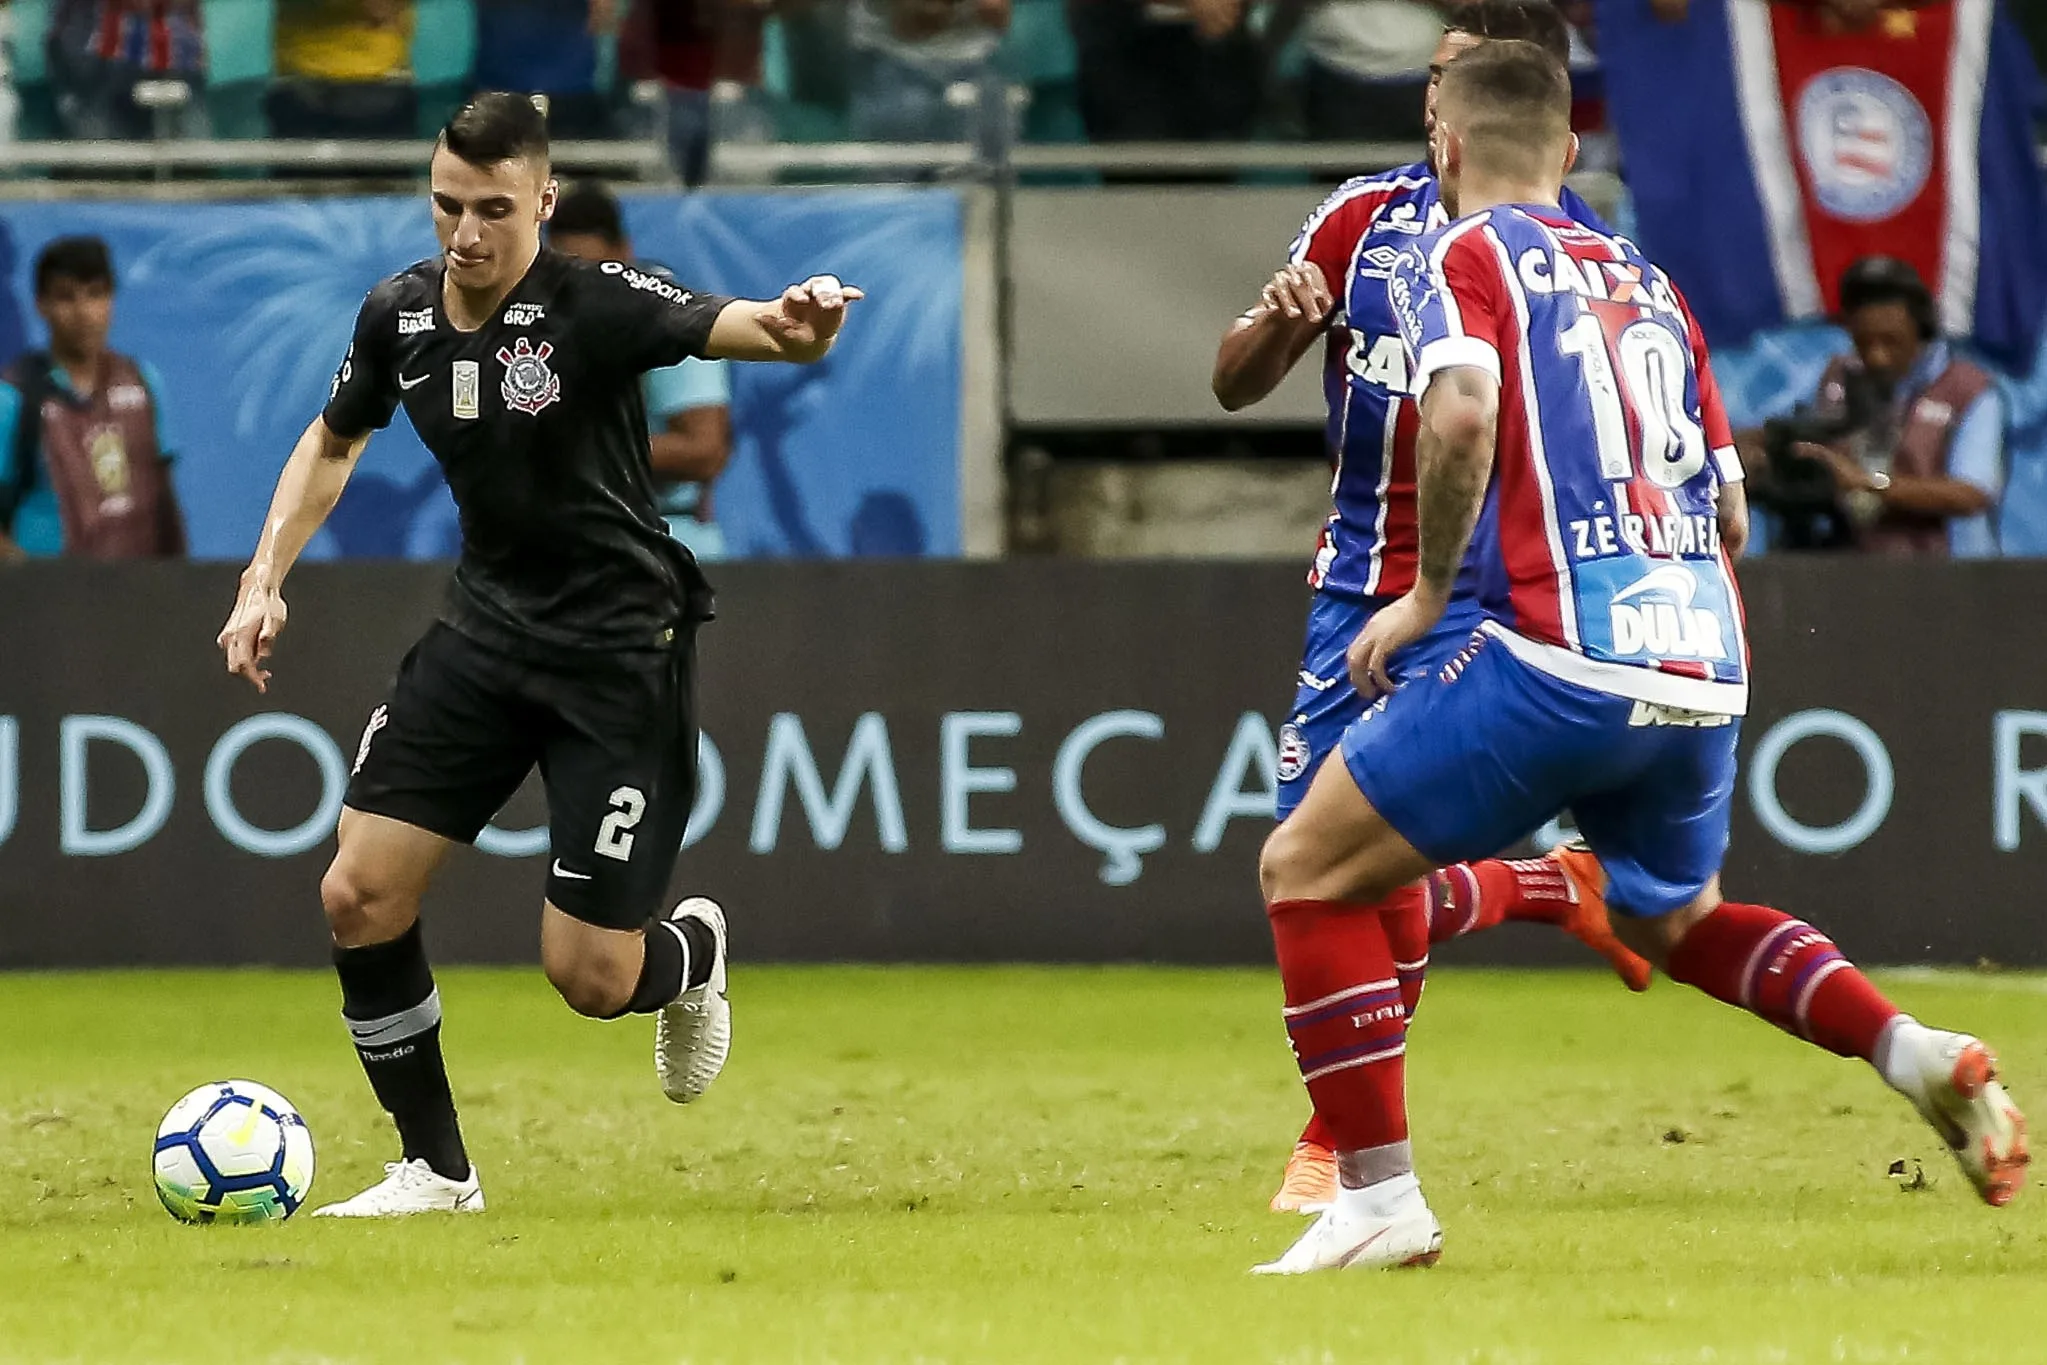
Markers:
<point>396,1028</point>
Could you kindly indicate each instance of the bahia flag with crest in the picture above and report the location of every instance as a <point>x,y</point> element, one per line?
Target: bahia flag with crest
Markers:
<point>1768,147</point>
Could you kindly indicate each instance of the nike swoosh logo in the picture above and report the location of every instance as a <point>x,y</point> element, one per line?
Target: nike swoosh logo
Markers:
<point>561,871</point>
<point>405,383</point>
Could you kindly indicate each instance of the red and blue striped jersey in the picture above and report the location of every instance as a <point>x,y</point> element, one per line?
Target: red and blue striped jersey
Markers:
<point>1599,546</point>
<point>1367,545</point>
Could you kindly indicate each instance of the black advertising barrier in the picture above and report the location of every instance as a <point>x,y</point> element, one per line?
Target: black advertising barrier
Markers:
<point>1019,761</point>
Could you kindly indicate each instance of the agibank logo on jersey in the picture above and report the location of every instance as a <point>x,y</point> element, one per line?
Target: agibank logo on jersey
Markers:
<point>1639,610</point>
<point>529,385</point>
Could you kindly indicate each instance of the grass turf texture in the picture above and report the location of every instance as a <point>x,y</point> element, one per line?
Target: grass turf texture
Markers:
<point>1013,1165</point>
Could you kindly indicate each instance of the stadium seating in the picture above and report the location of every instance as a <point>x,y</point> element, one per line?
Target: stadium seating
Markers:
<point>443,55</point>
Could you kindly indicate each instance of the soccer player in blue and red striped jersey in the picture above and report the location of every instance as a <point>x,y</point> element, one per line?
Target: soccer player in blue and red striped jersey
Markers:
<point>1572,438</point>
<point>1333,287</point>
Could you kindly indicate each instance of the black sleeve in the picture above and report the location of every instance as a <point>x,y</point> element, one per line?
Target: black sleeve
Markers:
<point>365,391</point>
<point>641,321</point>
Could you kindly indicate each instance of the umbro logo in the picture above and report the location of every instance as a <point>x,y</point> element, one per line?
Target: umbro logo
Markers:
<point>1376,263</point>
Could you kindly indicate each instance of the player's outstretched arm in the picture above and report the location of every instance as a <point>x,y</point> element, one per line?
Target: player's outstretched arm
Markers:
<point>800,326</point>
<point>1460,415</point>
<point>306,492</point>
<point>1263,346</point>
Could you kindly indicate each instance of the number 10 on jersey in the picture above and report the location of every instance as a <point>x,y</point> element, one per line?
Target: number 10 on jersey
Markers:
<point>1637,381</point>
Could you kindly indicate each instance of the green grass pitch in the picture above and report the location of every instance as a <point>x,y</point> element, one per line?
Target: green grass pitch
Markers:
<point>957,1165</point>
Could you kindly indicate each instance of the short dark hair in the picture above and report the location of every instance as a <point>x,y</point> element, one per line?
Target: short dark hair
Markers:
<point>588,207</point>
<point>497,126</point>
<point>1886,279</point>
<point>1533,21</point>
<point>1510,99</point>
<point>82,260</point>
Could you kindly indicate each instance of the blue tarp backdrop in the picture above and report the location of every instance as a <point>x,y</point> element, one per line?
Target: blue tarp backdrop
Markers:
<point>246,309</point>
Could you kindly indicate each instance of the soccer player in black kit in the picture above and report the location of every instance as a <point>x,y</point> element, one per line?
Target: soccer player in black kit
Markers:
<point>567,640</point>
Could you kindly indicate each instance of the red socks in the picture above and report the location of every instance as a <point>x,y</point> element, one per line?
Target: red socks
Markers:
<point>1406,920</point>
<point>1467,897</point>
<point>1787,972</point>
<point>1406,917</point>
<point>1348,1002</point>
<point>1345,1015</point>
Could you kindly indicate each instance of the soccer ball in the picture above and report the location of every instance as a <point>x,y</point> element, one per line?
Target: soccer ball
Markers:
<point>233,1152</point>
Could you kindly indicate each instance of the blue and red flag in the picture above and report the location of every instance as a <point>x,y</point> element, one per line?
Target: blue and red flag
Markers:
<point>1767,148</point>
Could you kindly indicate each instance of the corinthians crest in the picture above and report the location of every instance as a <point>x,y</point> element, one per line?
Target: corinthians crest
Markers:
<point>529,384</point>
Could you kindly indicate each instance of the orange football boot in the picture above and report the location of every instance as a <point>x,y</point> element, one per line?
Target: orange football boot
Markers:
<point>1309,1185</point>
<point>1588,921</point>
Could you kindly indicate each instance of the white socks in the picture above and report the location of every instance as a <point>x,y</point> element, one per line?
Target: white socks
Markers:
<point>1901,1056</point>
<point>1395,1197</point>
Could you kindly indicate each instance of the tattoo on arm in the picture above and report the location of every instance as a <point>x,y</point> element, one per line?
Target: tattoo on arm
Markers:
<point>1454,462</point>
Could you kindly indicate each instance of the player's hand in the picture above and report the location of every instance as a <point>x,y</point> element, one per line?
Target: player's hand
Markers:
<point>251,631</point>
<point>811,313</point>
<point>1370,656</point>
<point>1298,293</point>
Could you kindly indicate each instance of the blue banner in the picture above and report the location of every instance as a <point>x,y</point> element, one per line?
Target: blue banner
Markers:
<point>246,308</point>
<point>1768,148</point>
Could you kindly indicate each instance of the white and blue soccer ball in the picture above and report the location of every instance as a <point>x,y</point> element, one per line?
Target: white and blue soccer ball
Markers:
<point>233,1152</point>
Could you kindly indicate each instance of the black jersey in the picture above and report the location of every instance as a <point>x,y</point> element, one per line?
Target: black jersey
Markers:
<point>538,423</point>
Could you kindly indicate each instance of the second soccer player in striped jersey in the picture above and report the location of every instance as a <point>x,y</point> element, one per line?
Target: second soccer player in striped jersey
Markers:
<point>1573,441</point>
<point>1333,289</point>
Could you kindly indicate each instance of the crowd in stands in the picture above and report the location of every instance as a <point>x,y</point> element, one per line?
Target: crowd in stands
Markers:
<point>795,70</point>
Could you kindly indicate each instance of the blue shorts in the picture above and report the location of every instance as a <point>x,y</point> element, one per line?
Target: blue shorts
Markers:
<point>1479,754</point>
<point>1325,703</point>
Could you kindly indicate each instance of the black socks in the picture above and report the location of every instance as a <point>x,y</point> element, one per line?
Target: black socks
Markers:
<point>391,1008</point>
<point>678,957</point>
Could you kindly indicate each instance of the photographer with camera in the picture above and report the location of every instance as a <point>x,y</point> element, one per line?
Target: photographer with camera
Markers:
<point>1902,449</point>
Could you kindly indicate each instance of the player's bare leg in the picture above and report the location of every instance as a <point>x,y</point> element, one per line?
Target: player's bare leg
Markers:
<point>371,895</point>
<point>1335,875</point>
<point>673,967</point>
<point>1790,974</point>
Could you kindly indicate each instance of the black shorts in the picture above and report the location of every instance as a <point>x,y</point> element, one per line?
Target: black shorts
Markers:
<point>617,749</point>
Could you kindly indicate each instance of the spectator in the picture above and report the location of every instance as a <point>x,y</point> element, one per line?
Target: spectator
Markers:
<point>548,47</point>
<point>1165,70</point>
<point>908,54</point>
<point>344,69</point>
<point>1365,65</point>
<point>99,50</point>
<point>1902,450</point>
<point>707,56</point>
<point>84,464</point>
<point>689,405</point>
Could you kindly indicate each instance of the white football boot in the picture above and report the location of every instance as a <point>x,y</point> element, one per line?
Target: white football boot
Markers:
<point>693,1036</point>
<point>410,1187</point>
<point>1352,1235</point>
<point>1951,1080</point>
